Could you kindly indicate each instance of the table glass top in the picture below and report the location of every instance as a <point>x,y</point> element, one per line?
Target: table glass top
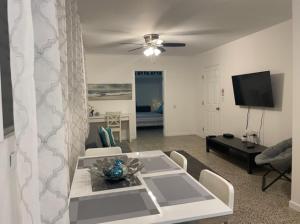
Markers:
<point>161,193</point>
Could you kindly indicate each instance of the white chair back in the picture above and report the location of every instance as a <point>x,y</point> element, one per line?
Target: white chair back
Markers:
<point>113,119</point>
<point>179,159</point>
<point>220,187</point>
<point>103,151</point>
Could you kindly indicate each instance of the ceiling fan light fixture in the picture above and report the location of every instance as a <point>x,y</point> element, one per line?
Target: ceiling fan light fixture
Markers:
<point>159,41</point>
<point>157,52</point>
<point>149,51</point>
<point>153,46</point>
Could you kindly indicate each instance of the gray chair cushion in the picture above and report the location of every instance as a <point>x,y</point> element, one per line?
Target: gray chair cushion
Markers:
<point>279,156</point>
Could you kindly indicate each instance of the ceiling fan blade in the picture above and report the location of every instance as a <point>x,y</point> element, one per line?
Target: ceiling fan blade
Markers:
<point>135,49</point>
<point>132,44</point>
<point>173,44</point>
<point>161,49</point>
<point>196,32</point>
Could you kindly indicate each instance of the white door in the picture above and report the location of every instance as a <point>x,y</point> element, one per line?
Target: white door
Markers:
<point>211,101</point>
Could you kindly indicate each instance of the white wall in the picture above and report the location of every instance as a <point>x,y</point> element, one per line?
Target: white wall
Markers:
<point>7,190</point>
<point>148,89</point>
<point>270,49</point>
<point>295,200</point>
<point>179,87</point>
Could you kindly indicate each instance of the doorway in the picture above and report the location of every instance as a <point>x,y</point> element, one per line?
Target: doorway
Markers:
<point>211,101</point>
<point>149,103</point>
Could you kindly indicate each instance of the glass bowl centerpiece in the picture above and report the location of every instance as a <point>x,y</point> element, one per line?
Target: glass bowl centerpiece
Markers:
<point>115,169</point>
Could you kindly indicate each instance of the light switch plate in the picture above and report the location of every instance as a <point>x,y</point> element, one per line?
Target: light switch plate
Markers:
<point>13,160</point>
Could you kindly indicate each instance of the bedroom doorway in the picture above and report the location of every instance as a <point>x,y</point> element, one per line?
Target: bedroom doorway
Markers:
<point>149,103</point>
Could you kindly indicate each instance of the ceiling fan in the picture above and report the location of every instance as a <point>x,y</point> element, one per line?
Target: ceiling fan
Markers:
<point>154,46</point>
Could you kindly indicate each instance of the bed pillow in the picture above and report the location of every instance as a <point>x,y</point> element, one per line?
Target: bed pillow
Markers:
<point>111,137</point>
<point>104,136</point>
<point>160,109</point>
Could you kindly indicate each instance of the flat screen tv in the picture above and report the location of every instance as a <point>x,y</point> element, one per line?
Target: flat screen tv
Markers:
<point>253,89</point>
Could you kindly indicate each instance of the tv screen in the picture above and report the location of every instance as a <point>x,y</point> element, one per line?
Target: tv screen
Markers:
<point>253,89</point>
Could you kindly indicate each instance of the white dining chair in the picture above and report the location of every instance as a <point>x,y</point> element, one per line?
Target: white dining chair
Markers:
<point>217,185</point>
<point>108,151</point>
<point>179,159</point>
<point>113,121</point>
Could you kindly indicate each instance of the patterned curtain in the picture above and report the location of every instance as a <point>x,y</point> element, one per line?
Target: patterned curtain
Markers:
<point>50,105</point>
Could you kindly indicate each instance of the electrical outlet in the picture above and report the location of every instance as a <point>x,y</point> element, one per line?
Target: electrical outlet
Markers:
<point>253,136</point>
<point>252,133</point>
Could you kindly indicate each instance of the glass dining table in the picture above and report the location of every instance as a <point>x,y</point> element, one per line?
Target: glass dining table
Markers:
<point>161,192</point>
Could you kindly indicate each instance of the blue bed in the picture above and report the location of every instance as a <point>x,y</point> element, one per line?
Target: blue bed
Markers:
<point>146,118</point>
<point>149,119</point>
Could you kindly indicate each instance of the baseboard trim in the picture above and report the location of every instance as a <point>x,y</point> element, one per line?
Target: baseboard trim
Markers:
<point>294,205</point>
<point>200,135</point>
<point>178,134</point>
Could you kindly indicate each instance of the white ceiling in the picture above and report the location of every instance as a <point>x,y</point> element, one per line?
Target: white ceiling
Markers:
<point>201,24</point>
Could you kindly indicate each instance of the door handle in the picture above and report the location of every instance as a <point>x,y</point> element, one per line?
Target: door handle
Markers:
<point>218,108</point>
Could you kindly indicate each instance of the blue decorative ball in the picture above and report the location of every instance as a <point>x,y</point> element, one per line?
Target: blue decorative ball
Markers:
<point>119,162</point>
<point>116,172</point>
